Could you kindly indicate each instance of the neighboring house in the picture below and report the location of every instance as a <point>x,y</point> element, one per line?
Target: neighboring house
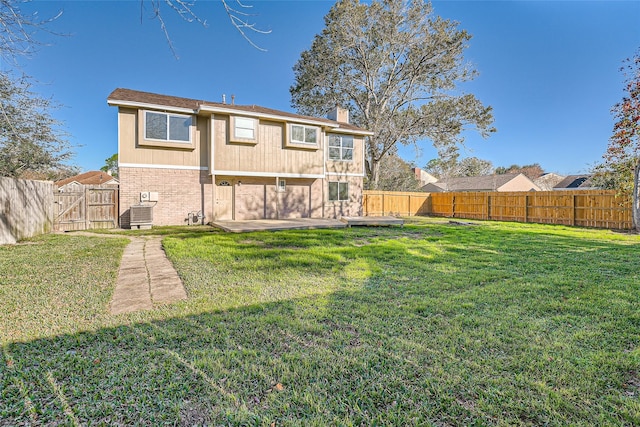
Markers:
<point>504,182</point>
<point>547,181</point>
<point>94,178</point>
<point>423,176</point>
<point>235,162</point>
<point>575,182</point>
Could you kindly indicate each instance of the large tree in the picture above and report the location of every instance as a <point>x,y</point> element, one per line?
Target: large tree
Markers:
<point>32,143</point>
<point>111,166</point>
<point>395,66</point>
<point>450,168</point>
<point>397,175</point>
<point>531,171</point>
<point>621,166</point>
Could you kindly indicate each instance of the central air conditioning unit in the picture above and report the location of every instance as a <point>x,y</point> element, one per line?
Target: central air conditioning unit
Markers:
<point>141,217</point>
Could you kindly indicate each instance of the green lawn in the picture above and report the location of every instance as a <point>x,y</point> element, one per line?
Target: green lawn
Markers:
<point>430,324</point>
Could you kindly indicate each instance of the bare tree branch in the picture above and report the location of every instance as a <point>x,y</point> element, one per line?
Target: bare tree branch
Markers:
<point>239,19</point>
<point>185,9</point>
<point>17,30</point>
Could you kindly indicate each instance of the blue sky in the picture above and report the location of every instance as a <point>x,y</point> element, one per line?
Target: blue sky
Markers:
<point>550,69</point>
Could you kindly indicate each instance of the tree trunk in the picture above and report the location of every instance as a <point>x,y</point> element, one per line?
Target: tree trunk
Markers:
<point>635,209</point>
<point>374,179</point>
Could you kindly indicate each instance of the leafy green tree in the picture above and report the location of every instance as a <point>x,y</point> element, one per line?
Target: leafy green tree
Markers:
<point>473,166</point>
<point>531,171</point>
<point>32,143</point>
<point>396,175</point>
<point>450,168</point>
<point>111,165</point>
<point>621,166</point>
<point>395,66</point>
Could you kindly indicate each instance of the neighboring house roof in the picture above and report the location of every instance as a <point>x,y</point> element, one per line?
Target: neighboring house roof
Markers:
<point>423,176</point>
<point>547,181</point>
<point>89,178</point>
<point>138,99</point>
<point>575,182</point>
<point>432,187</point>
<point>504,182</point>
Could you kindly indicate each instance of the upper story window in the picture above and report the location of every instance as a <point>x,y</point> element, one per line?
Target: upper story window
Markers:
<point>167,127</point>
<point>244,129</point>
<point>301,134</point>
<point>341,147</point>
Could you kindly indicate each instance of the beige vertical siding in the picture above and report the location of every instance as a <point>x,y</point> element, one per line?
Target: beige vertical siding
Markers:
<point>132,150</point>
<point>268,156</point>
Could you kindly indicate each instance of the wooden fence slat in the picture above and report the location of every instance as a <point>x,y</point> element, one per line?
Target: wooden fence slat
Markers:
<point>586,208</point>
<point>92,207</point>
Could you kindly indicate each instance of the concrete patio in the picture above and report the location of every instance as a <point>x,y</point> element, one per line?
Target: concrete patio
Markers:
<point>303,223</point>
<point>277,224</point>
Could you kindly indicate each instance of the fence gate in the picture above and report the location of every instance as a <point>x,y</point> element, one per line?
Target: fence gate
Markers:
<point>86,208</point>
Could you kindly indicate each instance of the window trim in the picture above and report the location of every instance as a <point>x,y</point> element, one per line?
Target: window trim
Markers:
<point>168,115</point>
<point>290,142</point>
<point>341,147</point>
<point>232,130</point>
<point>339,199</point>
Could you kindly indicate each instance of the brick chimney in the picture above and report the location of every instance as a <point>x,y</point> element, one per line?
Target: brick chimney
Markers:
<point>338,114</point>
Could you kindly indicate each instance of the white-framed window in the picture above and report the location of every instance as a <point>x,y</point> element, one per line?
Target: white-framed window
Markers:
<point>341,147</point>
<point>282,186</point>
<point>338,191</point>
<point>301,134</point>
<point>244,129</point>
<point>167,127</point>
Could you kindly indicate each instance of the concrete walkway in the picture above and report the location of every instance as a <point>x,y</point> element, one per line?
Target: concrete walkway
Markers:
<point>146,277</point>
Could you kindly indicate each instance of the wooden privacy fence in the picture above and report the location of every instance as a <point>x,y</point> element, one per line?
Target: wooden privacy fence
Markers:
<point>26,209</point>
<point>586,208</point>
<point>86,208</point>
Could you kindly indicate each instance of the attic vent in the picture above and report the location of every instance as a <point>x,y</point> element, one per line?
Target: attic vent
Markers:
<point>141,216</point>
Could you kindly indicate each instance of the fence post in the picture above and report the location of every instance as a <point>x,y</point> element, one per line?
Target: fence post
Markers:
<point>453,206</point>
<point>383,204</point>
<point>488,206</point>
<point>526,208</point>
<point>86,207</point>
<point>573,209</point>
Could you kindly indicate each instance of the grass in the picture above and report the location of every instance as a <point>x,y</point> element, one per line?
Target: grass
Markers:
<point>430,324</point>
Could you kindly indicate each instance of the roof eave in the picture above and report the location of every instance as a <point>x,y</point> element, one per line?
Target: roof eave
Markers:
<point>134,104</point>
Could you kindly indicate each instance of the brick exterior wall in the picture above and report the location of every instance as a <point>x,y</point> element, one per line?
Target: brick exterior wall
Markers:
<point>351,207</point>
<point>179,191</point>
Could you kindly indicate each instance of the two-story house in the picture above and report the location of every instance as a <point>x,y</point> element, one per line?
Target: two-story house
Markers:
<point>235,162</point>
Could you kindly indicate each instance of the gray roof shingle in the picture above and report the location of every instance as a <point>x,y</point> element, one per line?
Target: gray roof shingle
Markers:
<point>129,95</point>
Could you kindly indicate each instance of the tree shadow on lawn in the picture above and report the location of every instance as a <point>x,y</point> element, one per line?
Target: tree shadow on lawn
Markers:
<point>434,335</point>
